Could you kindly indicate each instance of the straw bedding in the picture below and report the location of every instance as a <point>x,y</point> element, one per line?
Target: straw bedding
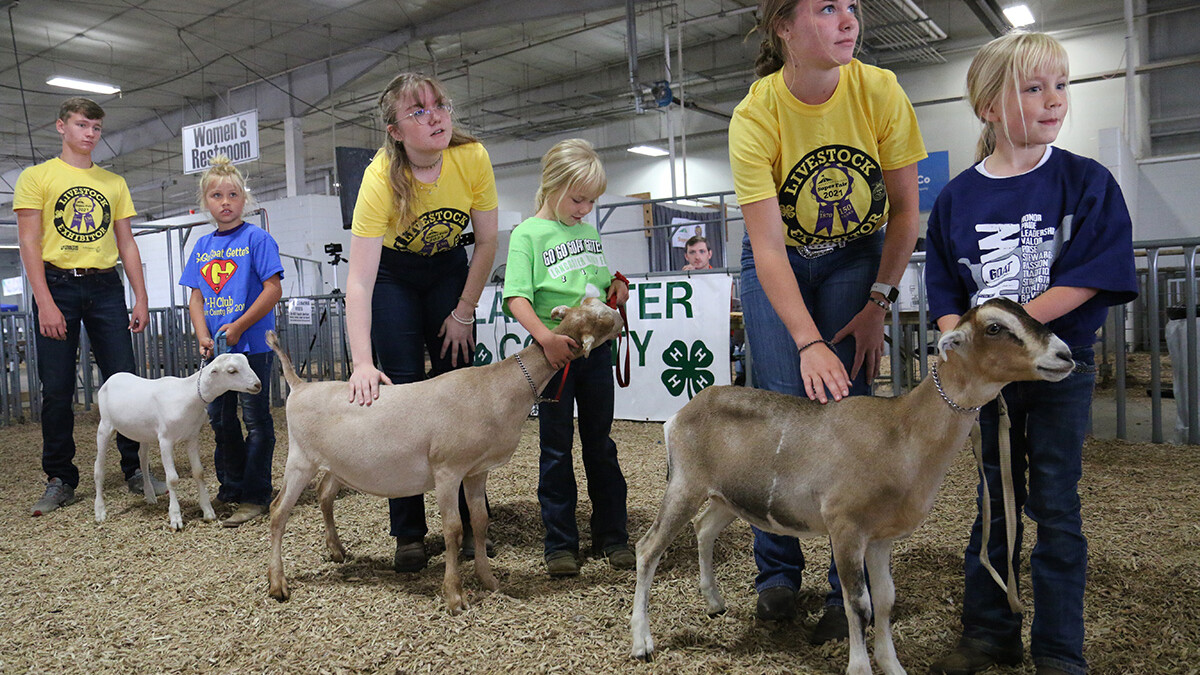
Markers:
<point>132,596</point>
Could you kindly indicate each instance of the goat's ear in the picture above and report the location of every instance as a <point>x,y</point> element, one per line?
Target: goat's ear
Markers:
<point>955,339</point>
<point>559,312</point>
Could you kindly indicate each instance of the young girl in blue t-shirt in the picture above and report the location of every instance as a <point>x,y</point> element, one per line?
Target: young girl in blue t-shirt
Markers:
<point>554,258</point>
<point>234,274</point>
<point>1050,230</point>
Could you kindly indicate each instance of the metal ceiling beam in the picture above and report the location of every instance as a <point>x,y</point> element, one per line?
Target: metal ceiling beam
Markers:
<point>297,91</point>
<point>991,16</point>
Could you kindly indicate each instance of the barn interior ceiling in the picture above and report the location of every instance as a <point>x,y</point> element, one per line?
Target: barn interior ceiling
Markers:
<point>516,69</point>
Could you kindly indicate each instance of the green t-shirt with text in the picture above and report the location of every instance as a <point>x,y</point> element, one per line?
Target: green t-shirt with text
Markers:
<point>551,264</point>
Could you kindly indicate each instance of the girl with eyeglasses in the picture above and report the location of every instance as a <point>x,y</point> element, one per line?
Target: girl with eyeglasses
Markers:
<point>411,287</point>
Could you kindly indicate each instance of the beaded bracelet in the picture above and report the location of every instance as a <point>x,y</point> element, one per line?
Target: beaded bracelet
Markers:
<point>465,322</point>
<point>827,343</point>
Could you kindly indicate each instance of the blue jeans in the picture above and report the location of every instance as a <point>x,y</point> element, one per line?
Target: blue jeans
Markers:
<point>413,296</point>
<point>589,382</point>
<point>1049,420</point>
<point>244,462</point>
<point>835,288</point>
<point>98,302</point>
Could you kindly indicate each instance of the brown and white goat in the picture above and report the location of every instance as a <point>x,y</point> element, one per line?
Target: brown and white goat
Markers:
<point>863,471</point>
<point>434,434</point>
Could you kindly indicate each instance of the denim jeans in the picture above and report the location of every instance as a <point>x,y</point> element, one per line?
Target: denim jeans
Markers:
<point>413,296</point>
<point>835,288</point>
<point>589,382</point>
<point>243,463</point>
<point>98,302</point>
<point>1049,421</point>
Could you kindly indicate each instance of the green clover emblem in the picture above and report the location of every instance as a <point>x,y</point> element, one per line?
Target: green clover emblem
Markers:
<point>686,368</point>
<point>482,355</point>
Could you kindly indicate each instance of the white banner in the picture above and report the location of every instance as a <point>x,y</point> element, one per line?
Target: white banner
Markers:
<point>235,136</point>
<point>678,340</point>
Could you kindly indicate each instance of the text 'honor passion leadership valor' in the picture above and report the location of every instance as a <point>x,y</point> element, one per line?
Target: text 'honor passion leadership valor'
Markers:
<point>235,136</point>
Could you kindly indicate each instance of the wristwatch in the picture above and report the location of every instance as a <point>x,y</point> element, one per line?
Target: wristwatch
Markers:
<point>889,293</point>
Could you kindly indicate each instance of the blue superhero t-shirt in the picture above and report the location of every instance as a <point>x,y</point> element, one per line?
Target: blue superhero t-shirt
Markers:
<point>229,268</point>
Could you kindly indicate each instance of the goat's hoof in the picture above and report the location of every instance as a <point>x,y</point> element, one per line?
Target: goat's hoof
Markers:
<point>280,593</point>
<point>714,613</point>
<point>645,657</point>
<point>177,524</point>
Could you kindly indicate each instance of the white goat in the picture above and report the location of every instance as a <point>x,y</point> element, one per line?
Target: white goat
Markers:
<point>863,471</point>
<point>434,434</point>
<point>169,410</point>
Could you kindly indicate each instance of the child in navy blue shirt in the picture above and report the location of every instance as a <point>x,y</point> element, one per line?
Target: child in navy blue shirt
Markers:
<point>235,274</point>
<point>1050,230</point>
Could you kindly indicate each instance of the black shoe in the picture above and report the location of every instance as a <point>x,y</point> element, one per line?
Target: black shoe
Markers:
<point>777,603</point>
<point>833,625</point>
<point>468,546</point>
<point>410,556</point>
<point>967,659</point>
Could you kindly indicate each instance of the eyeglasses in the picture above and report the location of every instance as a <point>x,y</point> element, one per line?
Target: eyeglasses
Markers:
<point>424,115</point>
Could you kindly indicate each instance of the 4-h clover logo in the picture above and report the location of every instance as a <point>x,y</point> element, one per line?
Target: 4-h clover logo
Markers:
<point>686,368</point>
<point>483,356</point>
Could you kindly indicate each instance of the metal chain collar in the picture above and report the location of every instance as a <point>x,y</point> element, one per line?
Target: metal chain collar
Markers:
<point>198,386</point>
<point>537,397</point>
<point>937,382</point>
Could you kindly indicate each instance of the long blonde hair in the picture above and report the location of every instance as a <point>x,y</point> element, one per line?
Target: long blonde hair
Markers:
<point>999,66</point>
<point>403,86</point>
<point>571,163</point>
<point>221,168</point>
<point>772,52</point>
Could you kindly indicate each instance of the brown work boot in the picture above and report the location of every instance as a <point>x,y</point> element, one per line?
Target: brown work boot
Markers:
<point>562,564</point>
<point>244,514</point>
<point>410,555</point>
<point>966,659</point>
<point>620,557</point>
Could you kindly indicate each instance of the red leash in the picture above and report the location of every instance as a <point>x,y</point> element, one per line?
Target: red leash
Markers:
<point>623,336</point>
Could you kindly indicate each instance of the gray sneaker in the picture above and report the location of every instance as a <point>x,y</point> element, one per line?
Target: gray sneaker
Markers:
<point>134,483</point>
<point>57,494</point>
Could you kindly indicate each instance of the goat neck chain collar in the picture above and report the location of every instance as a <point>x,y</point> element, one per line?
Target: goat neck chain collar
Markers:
<point>937,382</point>
<point>537,397</point>
<point>201,377</point>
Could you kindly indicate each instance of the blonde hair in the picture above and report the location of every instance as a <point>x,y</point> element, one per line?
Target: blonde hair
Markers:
<point>408,85</point>
<point>999,66</point>
<point>569,164</point>
<point>221,168</point>
<point>772,52</point>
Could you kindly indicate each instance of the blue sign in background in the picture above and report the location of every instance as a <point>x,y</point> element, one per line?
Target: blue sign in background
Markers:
<point>933,173</point>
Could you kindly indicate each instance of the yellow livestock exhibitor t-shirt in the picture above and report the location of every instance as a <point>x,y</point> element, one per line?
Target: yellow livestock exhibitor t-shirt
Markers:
<point>824,162</point>
<point>442,209</point>
<point>79,207</point>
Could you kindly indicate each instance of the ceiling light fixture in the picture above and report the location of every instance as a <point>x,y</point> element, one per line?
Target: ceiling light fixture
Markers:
<point>83,85</point>
<point>1019,15</point>
<point>648,150</point>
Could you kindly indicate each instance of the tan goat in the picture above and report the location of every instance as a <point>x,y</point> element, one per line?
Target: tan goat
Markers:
<point>428,435</point>
<point>863,471</point>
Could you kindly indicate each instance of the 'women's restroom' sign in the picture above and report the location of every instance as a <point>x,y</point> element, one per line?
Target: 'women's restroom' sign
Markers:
<point>235,136</point>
